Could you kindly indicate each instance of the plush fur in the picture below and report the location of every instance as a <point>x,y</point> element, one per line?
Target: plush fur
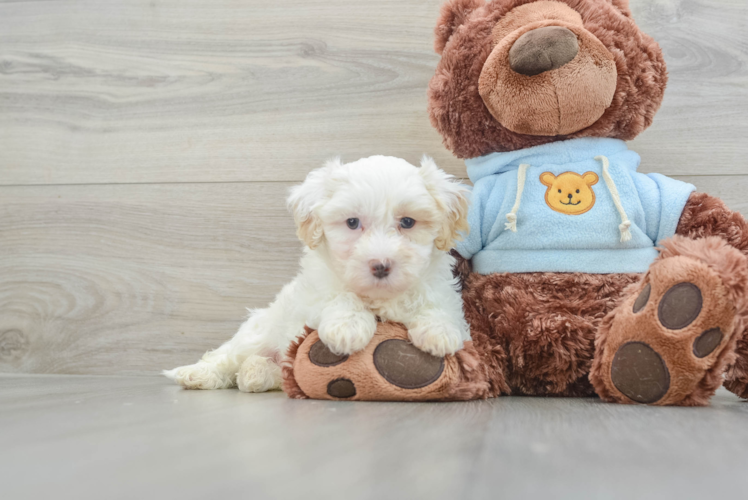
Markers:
<point>362,263</point>
<point>538,330</point>
<point>465,36</point>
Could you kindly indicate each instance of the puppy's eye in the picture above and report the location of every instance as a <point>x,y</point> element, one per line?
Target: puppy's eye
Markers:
<point>407,223</point>
<point>559,190</point>
<point>353,223</point>
<point>577,191</point>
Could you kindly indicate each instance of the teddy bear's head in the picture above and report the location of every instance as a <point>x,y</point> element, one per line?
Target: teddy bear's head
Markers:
<point>520,73</point>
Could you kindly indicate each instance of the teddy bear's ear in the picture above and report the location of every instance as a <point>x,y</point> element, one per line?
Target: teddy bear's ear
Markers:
<point>590,178</point>
<point>547,178</point>
<point>452,15</point>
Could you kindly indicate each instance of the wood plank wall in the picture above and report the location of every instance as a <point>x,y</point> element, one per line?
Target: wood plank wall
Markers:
<point>146,148</point>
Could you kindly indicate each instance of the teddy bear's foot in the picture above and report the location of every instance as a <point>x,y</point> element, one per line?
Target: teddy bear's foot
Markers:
<point>390,368</point>
<point>670,341</point>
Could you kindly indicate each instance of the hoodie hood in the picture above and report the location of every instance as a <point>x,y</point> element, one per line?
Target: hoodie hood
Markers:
<point>562,152</point>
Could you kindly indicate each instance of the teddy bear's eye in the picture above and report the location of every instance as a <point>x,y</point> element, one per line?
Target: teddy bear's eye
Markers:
<point>559,190</point>
<point>353,223</point>
<point>577,191</point>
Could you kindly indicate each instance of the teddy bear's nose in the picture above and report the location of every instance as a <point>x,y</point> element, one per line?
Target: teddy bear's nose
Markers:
<point>569,195</point>
<point>543,49</point>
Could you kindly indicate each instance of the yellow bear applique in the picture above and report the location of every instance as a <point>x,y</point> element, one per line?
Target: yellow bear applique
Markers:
<point>569,193</point>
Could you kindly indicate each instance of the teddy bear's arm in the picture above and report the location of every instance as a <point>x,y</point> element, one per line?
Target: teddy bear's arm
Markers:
<point>706,215</point>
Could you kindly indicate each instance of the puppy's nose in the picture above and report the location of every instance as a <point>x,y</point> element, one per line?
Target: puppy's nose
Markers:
<point>543,49</point>
<point>380,269</point>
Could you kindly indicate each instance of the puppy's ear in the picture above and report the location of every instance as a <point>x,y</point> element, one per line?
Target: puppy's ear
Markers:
<point>306,198</point>
<point>453,200</point>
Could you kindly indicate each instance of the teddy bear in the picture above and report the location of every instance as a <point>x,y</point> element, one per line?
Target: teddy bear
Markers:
<point>580,275</point>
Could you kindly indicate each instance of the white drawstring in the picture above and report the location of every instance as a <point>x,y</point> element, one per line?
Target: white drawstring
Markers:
<point>625,222</point>
<point>512,216</point>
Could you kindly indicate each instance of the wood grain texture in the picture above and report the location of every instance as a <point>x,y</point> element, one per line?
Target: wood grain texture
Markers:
<point>81,438</point>
<point>135,278</point>
<point>702,125</point>
<point>195,91</point>
<point>131,279</point>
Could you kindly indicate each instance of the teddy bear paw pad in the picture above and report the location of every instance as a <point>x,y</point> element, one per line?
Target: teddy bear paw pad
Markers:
<point>665,343</point>
<point>390,368</point>
<point>341,388</point>
<point>404,365</point>
<point>640,373</point>
<point>321,355</point>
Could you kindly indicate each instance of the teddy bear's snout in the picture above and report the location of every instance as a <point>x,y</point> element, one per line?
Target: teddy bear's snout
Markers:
<point>543,49</point>
<point>547,74</point>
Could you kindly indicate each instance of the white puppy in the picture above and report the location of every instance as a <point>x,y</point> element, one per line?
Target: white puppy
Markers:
<point>377,232</point>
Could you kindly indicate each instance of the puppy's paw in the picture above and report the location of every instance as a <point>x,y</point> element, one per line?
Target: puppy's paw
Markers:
<point>347,332</point>
<point>201,375</point>
<point>437,338</point>
<point>258,374</point>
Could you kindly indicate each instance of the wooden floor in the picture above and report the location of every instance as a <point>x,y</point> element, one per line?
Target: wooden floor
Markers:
<point>85,437</point>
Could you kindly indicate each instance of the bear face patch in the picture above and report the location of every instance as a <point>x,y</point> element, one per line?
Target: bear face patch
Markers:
<point>569,193</point>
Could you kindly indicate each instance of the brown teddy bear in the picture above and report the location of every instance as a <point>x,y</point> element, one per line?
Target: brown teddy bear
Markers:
<point>580,275</point>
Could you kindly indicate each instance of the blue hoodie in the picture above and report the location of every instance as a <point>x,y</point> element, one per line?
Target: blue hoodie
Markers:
<point>582,207</point>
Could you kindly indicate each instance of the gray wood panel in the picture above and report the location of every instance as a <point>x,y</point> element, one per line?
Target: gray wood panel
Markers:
<point>133,278</point>
<point>702,126</point>
<point>130,279</point>
<point>190,91</point>
<point>82,438</point>
<point>195,91</point>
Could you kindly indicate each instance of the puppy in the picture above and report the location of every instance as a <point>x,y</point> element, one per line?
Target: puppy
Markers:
<point>377,232</point>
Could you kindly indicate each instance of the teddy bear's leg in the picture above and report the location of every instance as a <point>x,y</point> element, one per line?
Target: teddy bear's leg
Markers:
<point>543,326</point>
<point>493,357</point>
<point>390,368</point>
<point>736,375</point>
<point>672,337</point>
<point>705,215</point>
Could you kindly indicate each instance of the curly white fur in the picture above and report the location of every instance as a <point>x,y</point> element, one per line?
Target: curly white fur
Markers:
<point>337,291</point>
